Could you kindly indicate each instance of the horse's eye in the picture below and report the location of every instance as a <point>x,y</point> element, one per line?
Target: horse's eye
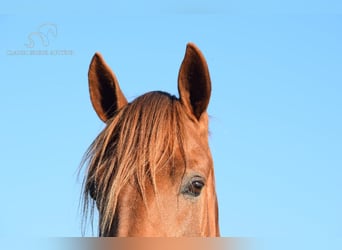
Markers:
<point>194,188</point>
<point>92,191</point>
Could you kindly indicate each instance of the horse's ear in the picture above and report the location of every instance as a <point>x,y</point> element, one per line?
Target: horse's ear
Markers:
<point>105,93</point>
<point>194,84</point>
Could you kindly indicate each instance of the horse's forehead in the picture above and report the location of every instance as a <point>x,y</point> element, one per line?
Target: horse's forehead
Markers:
<point>198,154</point>
<point>196,133</point>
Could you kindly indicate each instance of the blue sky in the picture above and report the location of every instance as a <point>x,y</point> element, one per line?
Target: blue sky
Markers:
<point>276,108</point>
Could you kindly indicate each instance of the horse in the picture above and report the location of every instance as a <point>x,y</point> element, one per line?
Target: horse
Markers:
<point>150,171</point>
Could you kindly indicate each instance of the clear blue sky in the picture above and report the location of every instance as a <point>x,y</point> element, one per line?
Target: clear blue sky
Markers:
<point>276,108</point>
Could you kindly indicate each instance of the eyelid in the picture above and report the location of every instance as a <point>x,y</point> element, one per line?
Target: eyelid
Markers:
<point>198,178</point>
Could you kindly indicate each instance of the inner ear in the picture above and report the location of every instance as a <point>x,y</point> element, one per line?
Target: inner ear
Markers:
<point>194,83</point>
<point>105,93</point>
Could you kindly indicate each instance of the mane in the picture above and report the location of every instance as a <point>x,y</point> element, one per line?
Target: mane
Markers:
<point>140,140</point>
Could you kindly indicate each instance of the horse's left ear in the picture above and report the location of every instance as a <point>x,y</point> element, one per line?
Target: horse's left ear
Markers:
<point>194,83</point>
<point>105,93</point>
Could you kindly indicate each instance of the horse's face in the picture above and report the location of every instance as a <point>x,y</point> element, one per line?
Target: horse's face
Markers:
<point>182,203</point>
<point>178,197</point>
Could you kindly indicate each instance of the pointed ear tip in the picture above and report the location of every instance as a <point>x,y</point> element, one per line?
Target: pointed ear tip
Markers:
<point>96,60</point>
<point>191,45</point>
<point>191,48</point>
<point>97,55</point>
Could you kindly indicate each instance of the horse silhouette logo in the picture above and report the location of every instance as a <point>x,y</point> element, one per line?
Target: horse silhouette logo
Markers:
<point>44,34</point>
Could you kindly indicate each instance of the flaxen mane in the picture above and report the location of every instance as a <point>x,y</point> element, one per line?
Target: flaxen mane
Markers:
<point>137,142</point>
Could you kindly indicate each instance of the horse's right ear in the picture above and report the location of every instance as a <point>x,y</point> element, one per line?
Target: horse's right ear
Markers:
<point>194,83</point>
<point>105,93</point>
